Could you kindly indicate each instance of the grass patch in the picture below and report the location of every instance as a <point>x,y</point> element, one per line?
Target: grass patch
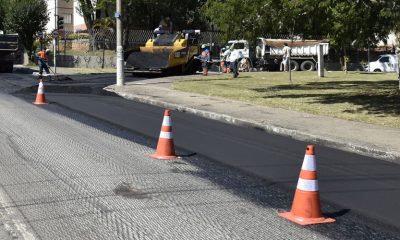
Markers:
<point>363,97</point>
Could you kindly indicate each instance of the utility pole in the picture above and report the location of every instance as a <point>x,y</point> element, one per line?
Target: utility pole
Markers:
<point>321,65</point>
<point>398,63</point>
<point>290,52</point>
<point>120,50</point>
<point>54,39</point>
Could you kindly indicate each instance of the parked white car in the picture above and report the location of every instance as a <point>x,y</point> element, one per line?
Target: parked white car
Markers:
<point>385,63</point>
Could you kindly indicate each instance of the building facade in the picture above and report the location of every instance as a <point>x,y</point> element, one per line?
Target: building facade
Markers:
<point>65,9</point>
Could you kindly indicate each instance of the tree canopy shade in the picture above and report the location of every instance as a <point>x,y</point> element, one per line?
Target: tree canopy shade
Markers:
<point>342,21</point>
<point>346,23</point>
<point>26,17</point>
<point>2,13</point>
<point>145,14</point>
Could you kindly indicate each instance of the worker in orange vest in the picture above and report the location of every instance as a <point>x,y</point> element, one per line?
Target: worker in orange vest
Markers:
<point>43,59</point>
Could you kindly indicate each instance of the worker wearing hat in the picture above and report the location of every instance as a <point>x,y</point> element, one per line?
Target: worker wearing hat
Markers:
<point>205,59</point>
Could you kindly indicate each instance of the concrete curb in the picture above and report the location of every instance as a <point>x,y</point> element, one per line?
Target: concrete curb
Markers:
<point>370,151</point>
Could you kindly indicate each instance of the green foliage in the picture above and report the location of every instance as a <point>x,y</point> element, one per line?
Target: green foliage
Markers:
<point>87,10</point>
<point>347,23</point>
<point>139,14</point>
<point>3,10</point>
<point>145,14</point>
<point>26,17</point>
<point>235,18</point>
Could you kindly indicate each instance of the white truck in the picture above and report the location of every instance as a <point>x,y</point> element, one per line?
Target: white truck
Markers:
<point>384,63</point>
<point>269,53</point>
<point>304,53</point>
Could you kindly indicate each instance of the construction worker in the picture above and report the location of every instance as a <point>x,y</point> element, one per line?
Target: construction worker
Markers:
<point>224,59</point>
<point>286,56</point>
<point>233,58</point>
<point>43,59</point>
<point>397,51</point>
<point>159,30</point>
<point>205,59</point>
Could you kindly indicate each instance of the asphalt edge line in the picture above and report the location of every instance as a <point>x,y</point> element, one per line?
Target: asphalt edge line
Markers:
<point>295,134</point>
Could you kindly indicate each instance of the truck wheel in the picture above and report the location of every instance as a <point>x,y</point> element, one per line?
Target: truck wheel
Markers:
<point>244,65</point>
<point>307,66</point>
<point>9,68</point>
<point>294,66</point>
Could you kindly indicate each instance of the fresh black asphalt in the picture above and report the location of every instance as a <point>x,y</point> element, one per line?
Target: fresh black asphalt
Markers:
<point>356,183</point>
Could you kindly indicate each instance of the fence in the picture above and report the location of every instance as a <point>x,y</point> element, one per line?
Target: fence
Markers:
<point>96,39</point>
<point>96,47</point>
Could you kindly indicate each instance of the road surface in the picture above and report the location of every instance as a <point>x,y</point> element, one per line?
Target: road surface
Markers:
<point>78,168</point>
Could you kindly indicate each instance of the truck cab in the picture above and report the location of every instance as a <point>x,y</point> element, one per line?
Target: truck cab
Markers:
<point>239,45</point>
<point>384,63</point>
<point>236,46</point>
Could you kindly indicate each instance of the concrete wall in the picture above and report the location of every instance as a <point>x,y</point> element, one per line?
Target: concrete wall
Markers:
<point>85,61</point>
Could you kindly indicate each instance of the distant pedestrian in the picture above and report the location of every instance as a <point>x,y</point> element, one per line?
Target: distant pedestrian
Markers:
<point>285,58</point>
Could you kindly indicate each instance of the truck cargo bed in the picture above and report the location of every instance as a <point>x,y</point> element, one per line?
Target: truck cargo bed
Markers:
<point>8,42</point>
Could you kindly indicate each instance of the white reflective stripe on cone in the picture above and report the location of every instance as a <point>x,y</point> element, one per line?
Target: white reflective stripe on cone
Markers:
<point>309,163</point>
<point>167,135</point>
<point>167,121</point>
<point>40,89</point>
<point>307,185</point>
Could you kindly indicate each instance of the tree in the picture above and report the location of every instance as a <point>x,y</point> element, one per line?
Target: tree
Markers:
<point>86,9</point>
<point>344,22</point>
<point>3,10</point>
<point>235,18</point>
<point>27,17</point>
<point>145,14</point>
<point>104,25</point>
<point>139,14</point>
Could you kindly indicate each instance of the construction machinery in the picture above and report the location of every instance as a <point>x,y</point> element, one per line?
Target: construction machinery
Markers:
<point>8,50</point>
<point>303,52</point>
<point>268,53</point>
<point>166,53</point>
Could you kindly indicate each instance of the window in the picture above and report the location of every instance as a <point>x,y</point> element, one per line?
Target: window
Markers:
<point>238,46</point>
<point>384,59</point>
<point>67,18</point>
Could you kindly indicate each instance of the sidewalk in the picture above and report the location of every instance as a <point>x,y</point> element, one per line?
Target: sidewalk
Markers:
<point>366,139</point>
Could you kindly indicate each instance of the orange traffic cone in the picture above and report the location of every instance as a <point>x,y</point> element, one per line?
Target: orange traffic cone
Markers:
<point>40,98</point>
<point>306,207</point>
<point>165,147</point>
